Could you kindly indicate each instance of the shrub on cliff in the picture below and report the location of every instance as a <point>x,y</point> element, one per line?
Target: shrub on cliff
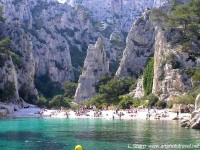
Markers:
<point>1,14</point>
<point>70,89</point>
<point>196,77</point>
<point>7,92</point>
<point>184,17</point>
<point>5,52</point>
<point>5,46</point>
<point>185,99</point>
<point>47,87</point>
<point>148,77</point>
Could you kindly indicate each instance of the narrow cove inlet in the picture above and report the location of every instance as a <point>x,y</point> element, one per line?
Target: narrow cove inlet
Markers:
<point>99,74</point>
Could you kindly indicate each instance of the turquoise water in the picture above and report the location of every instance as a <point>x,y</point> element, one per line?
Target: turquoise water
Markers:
<point>93,134</point>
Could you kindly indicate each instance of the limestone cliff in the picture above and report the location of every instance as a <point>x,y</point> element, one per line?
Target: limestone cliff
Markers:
<point>23,46</point>
<point>9,83</point>
<point>36,20</point>
<point>60,35</point>
<point>17,68</point>
<point>96,65</point>
<point>139,90</point>
<point>52,38</point>
<point>171,63</point>
<point>139,47</point>
<point>119,14</point>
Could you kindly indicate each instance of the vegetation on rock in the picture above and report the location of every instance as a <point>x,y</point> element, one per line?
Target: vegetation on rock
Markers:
<point>70,89</point>
<point>196,77</point>
<point>114,88</point>
<point>126,102</point>
<point>185,18</point>
<point>148,77</point>
<point>7,92</point>
<point>59,101</point>
<point>55,100</point>
<point>46,87</point>
<point>110,90</point>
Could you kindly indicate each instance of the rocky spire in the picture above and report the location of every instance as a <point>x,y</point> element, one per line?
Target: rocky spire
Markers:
<point>96,64</point>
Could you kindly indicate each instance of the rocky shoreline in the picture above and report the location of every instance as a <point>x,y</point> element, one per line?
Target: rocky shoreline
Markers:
<point>7,109</point>
<point>193,121</point>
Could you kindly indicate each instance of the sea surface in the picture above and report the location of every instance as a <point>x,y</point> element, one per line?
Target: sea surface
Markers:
<point>92,134</point>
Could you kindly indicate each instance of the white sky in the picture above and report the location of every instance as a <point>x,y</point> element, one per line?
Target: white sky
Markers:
<point>62,1</point>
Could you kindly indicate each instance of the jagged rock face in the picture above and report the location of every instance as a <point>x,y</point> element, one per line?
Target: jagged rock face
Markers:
<point>23,45</point>
<point>139,47</point>
<point>59,34</point>
<point>8,78</point>
<point>19,77</point>
<point>96,65</point>
<point>171,61</point>
<point>139,90</point>
<point>118,13</point>
<point>169,64</point>
<point>49,48</point>
<point>52,38</point>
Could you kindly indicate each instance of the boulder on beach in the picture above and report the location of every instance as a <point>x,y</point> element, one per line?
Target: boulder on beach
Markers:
<point>3,112</point>
<point>194,121</point>
<point>9,107</point>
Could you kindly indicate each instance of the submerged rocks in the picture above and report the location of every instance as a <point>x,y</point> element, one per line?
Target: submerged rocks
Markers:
<point>193,122</point>
<point>96,65</point>
<point>184,122</point>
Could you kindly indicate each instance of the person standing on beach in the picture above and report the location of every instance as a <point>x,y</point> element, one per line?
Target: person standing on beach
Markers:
<point>148,110</point>
<point>177,114</point>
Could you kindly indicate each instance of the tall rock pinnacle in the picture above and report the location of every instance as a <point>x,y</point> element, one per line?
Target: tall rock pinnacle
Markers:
<point>96,64</point>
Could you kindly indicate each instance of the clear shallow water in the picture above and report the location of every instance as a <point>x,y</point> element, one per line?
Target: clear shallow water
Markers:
<point>93,134</point>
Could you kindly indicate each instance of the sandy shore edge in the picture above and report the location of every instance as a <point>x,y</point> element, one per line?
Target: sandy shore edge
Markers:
<point>142,114</point>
